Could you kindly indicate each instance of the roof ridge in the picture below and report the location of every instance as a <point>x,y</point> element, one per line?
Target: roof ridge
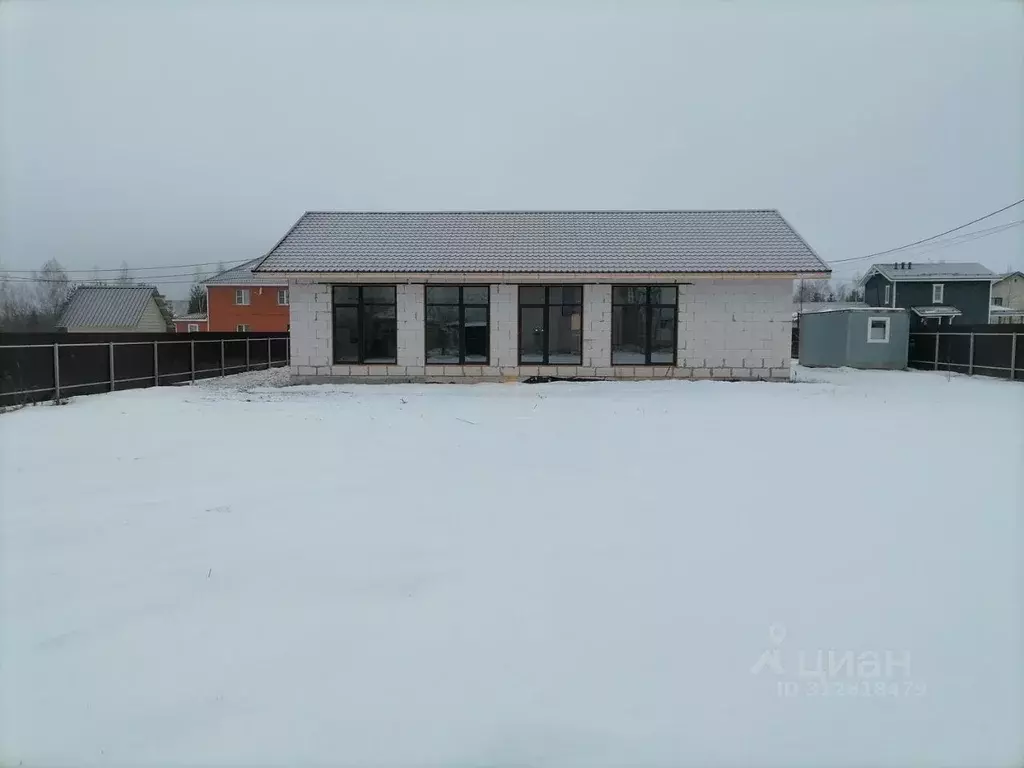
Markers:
<point>532,211</point>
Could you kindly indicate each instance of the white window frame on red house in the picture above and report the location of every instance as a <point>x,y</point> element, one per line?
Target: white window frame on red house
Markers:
<point>242,328</point>
<point>282,297</point>
<point>242,297</point>
<point>193,327</point>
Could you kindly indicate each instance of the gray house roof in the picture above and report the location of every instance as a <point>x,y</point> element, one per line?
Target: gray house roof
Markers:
<point>543,241</point>
<point>118,306</point>
<point>194,317</point>
<point>910,271</point>
<point>243,275</point>
<point>1007,276</point>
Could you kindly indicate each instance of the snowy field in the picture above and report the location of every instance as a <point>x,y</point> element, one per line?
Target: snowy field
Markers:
<point>616,574</point>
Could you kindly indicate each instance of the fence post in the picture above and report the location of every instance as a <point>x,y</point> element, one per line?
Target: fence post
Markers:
<point>1013,354</point>
<point>268,353</point>
<point>937,335</point>
<point>222,357</point>
<point>970,357</point>
<point>247,353</point>
<point>110,356</point>
<point>192,358</point>
<point>156,364</point>
<point>56,372</point>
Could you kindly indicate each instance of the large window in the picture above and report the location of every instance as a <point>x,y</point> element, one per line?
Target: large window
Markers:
<point>364,324</point>
<point>457,324</point>
<point>644,325</point>
<point>551,324</point>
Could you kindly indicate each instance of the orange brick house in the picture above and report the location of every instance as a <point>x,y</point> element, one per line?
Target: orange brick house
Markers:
<point>238,300</point>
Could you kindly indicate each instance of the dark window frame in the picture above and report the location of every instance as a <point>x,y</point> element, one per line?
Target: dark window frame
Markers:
<point>462,321</point>
<point>648,338</point>
<point>359,306</point>
<point>546,307</point>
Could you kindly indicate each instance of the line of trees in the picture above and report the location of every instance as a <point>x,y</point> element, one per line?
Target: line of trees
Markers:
<point>826,290</point>
<point>34,303</point>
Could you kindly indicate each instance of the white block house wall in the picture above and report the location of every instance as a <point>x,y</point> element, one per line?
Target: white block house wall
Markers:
<point>729,328</point>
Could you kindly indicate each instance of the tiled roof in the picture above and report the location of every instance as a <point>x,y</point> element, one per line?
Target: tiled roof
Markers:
<point>117,306</point>
<point>934,271</point>
<point>194,317</point>
<point>242,275</point>
<point>543,241</point>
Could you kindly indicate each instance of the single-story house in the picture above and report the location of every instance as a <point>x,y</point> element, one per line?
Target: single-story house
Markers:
<point>192,323</point>
<point>855,336</point>
<point>115,309</point>
<point>445,296</point>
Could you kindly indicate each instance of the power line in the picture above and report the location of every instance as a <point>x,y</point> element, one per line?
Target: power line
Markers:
<point>130,268</point>
<point>926,239</point>
<point>962,239</point>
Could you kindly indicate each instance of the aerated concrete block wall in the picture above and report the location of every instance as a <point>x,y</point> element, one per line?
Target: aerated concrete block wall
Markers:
<point>728,329</point>
<point>735,329</point>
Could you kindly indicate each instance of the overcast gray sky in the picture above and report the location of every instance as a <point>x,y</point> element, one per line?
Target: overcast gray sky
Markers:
<point>170,133</point>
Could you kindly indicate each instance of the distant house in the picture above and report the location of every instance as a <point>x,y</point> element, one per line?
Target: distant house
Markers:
<point>115,309</point>
<point>935,294</point>
<point>1008,298</point>
<point>238,300</point>
<point>192,323</point>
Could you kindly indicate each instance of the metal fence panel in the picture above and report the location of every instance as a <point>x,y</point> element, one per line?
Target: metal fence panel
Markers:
<point>977,350</point>
<point>35,367</point>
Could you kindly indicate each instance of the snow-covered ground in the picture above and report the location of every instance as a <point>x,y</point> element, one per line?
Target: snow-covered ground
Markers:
<point>564,574</point>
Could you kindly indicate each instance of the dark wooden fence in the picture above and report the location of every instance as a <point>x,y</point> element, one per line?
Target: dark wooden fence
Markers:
<point>988,350</point>
<point>44,366</point>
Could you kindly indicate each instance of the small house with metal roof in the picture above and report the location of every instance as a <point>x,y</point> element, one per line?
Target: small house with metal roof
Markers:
<point>115,309</point>
<point>506,295</point>
<point>936,294</point>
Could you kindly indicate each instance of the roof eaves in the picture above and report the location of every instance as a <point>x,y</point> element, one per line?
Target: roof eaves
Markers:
<point>801,239</point>
<point>291,229</point>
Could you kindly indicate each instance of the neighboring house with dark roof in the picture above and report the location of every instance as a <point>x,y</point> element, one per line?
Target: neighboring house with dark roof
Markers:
<point>115,309</point>
<point>192,323</point>
<point>495,295</point>
<point>936,294</point>
<point>238,300</point>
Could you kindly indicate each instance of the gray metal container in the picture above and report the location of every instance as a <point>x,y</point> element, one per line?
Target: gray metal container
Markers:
<point>857,337</point>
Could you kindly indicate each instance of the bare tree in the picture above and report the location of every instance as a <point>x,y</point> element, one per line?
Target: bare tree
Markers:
<point>813,290</point>
<point>52,289</point>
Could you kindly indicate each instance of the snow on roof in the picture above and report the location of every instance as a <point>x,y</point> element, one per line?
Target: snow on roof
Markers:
<point>243,275</point>
<point>931,271</point>
<point>856,308</point>
<point>543,241</point>
<point>937,311</point>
